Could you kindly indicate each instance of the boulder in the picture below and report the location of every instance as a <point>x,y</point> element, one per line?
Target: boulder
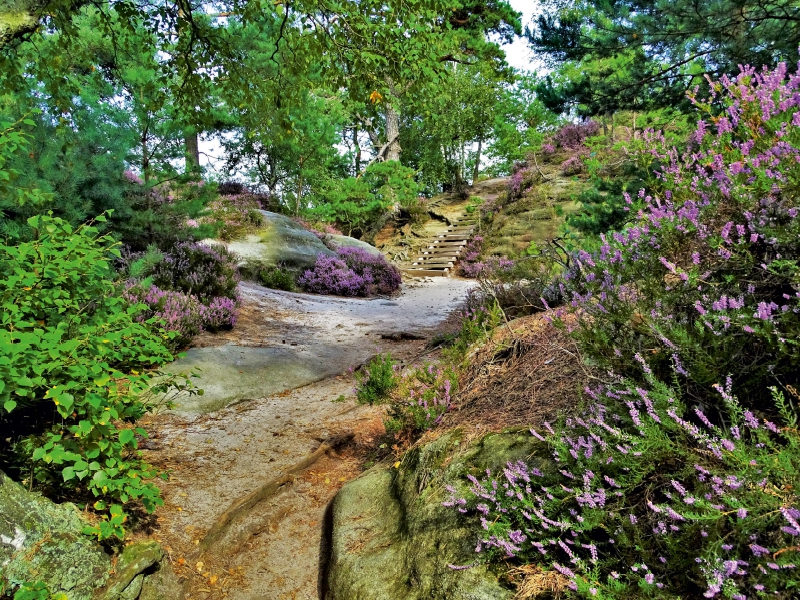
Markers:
<point>391,537</point>
<point>41,541</point>
<point>280,241</point>
<point>335,242</point>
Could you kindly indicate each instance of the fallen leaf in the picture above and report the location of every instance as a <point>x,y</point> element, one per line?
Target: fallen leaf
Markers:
<point>199,565</point>
<point>213,579</point>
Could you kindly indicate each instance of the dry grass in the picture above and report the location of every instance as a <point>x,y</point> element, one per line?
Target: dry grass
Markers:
<point>532,582</point>
<point>527,373</point>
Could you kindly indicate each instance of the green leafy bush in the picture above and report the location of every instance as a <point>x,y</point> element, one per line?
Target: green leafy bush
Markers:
<point>354,203</point>
<point>375,383</point>
<point>36,591</point>
<point>278,278</point>
<point>73,362</point>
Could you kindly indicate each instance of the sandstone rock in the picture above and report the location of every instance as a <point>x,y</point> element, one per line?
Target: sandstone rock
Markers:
<point>392,538</point>
<point>335,242</point>
<point>42,541</point>
<point>280,241</point>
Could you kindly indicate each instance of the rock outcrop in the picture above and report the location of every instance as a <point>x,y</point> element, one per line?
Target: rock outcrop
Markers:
<point>392,538</point>
<point>335,242</point>
<point>281,241</point>
<point>41,541</point>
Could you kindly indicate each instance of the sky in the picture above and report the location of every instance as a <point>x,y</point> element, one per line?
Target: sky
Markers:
<point>519,54</point>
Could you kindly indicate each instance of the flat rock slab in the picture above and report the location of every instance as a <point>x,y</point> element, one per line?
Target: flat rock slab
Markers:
<point>232,373</point>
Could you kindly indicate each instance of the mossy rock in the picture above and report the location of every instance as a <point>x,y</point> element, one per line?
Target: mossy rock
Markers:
<point>281,241</point>
<point>336,242</point>
<point>392,538</point>
<point>41,541</point>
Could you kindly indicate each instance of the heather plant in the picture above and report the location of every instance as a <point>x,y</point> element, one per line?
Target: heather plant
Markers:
<point>573,135</point>
<point>644,497</point>
<point>201,270</point>
<point>75,366</point>
<point>572,166</point>
<point>377,380</point>
<point>353,272</point>
<point>385,276</point>
<point>706,276</point>
<point>422,398</point>
<point>522,180</point>
<point>236,215</point>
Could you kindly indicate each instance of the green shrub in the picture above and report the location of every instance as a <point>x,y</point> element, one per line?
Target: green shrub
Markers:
<point>424,395</point>
<point>36,591</point>
<point>74,361</point>
<point>375,383</point>
<point>278,278</point>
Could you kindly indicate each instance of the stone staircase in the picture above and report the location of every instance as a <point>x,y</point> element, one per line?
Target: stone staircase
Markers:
<point>443,251</point>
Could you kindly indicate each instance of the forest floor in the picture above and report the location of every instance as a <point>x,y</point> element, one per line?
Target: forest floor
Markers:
<point>221,450</point>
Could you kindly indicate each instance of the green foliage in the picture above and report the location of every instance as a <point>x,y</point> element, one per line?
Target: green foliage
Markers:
<point>639,54</point>
<point>353,203</point>
<point>424,395</point>
<point>278,278</point>
<point>69,341</point>
<point>36,591</point>
<point>377,380</point>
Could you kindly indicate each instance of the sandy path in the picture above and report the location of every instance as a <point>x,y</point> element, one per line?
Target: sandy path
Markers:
<point>217,456</point>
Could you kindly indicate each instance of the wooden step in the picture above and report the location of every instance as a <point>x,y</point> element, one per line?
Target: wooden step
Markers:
<point>434,263</point>
<point>438,255</point>
<point>425,272</point>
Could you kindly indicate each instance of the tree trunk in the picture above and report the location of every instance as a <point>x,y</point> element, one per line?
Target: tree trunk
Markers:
<point>299,190</point>
<point>358,150</point>
<point>612,127</point>
<point>392,133</point>
<point>192,150</point>
<point>477,169</point>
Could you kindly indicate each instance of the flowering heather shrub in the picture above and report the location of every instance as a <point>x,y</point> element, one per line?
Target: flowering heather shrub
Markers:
<point>237,213</point>
<point>572,135</point>
<point>521,182</point>
<point>220,313</point>
<point>680,490</point>
<point>206,272</point>
<point>470,264</point>
<point>641,500</point>
<point>572,166</point>
<point>707,276</point>
<point>548,148</point>
<point>424,396</point>
<point>318,228</point>
<point>331,275</point>
<point>179,312</point>
<point>182,313</point>
<point>385,276</point>
<point>491,267</point>
<point>354,272</point>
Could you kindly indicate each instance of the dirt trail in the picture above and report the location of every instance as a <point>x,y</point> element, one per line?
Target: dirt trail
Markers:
<point>220,452</point>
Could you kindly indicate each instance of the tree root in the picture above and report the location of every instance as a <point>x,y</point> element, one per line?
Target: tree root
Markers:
<point>242,506</point>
